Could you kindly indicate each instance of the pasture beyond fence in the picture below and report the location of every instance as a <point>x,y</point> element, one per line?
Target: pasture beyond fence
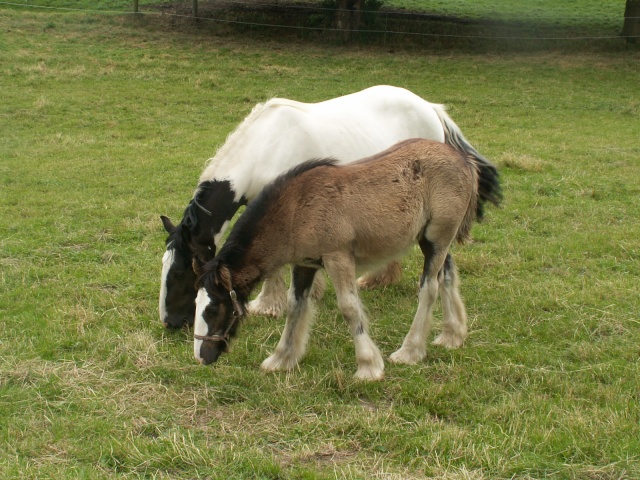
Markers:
<point>376,22</point>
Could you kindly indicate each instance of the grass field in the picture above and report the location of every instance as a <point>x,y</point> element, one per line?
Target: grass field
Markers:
<point>106,124</point>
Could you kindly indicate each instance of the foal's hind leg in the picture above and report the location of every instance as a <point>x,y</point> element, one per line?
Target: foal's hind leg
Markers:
<point>272,300</point>
<point>454,321</point>
<point>341,269</point>
<point>391,273</point>
<point>293,342</point>
<point>414,347</point>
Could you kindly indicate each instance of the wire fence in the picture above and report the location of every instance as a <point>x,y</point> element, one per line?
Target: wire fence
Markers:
<point>382,23</point>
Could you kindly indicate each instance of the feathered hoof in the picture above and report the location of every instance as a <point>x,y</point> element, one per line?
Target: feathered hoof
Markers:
<point>369,374</point>
<point>278,363</point>
<point>408,355</point>
<point>265,308</point>
<point>449,340</point>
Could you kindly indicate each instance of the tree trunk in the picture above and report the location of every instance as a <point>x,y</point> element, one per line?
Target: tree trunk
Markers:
<point>349,16</point>
<point>631,27</point>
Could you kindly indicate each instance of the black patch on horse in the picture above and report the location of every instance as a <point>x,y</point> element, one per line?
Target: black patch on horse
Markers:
<point>211,206</point>
<point>245,228</point>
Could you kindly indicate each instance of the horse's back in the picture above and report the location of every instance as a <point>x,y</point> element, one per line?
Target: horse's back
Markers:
<point>282,133</point>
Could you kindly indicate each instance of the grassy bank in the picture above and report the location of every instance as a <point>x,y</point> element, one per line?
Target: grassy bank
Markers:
<point>106,124</point>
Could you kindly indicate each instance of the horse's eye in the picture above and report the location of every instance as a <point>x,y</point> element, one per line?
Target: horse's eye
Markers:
<point>211,309</point>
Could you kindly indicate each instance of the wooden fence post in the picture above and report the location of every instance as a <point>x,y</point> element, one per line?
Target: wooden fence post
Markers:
<point>631,27</point>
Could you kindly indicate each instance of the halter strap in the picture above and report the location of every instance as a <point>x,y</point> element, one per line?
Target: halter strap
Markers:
<point>195,200</point>
<point>237,313</point>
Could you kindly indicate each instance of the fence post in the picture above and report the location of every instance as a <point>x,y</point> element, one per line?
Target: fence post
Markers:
<point>631,27</point>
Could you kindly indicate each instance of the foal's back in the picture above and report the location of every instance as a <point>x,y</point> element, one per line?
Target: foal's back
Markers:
<point>376,207</point>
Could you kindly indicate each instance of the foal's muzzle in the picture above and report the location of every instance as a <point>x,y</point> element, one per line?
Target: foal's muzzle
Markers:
<point>210,351</point>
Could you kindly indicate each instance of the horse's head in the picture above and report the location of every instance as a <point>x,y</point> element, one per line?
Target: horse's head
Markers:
<point>218,312</point>
<point>177,291</point>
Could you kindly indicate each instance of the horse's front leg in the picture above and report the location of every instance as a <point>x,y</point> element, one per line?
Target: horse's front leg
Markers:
<point>293,342</point>
<point>272,299</point>
<point>341,269</point>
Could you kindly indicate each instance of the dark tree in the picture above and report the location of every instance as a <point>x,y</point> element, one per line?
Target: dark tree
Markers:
<point>631,27</point>
<point>349,15</point>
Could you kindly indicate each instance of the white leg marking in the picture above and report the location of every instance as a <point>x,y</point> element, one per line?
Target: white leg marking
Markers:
<point>414,348</point>
<point>200,326</point>
<point>341,270</point>
<point>167,261</point>
<point>293,342</point>
<point>454,316</point>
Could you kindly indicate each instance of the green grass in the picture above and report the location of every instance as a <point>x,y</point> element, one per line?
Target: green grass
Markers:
<point>106,123</point>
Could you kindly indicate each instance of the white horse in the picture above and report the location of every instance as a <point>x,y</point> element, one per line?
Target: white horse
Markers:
<point>274,137</point>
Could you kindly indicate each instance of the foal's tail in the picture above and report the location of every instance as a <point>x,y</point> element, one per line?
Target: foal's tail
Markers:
<point>489,189</point>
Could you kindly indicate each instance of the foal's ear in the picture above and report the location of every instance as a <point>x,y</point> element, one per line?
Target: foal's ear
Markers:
<point>197,266</point>
<point>168,226</point>
<point>223,278</point>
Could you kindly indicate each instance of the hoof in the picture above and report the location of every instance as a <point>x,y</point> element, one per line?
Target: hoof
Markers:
<point>408,356</point>
<point>449,340</point>
<point>277,363</point>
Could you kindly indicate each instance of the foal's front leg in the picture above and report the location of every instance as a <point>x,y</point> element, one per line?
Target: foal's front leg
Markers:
<point>341,269</point>
<point>293,342</point>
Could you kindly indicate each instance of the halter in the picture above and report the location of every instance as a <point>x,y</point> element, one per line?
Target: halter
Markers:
<point>237,313</point>
<point>195,200</point>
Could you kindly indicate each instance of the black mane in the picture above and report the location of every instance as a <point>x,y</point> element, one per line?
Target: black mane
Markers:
<point>244,230</point>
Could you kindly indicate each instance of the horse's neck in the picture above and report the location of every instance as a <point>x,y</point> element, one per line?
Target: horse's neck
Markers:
<point>214,205</point>
<point>263,146</point>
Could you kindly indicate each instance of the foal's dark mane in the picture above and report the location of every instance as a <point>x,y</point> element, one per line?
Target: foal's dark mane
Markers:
<point>244,230</point>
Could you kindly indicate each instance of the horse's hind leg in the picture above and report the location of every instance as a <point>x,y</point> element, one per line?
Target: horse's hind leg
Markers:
<point>293,342</point>
<point>454,324</point>
<point>391,273</point>
<point>414,347</point>
<point>341,269</point>
<point>272,300</point>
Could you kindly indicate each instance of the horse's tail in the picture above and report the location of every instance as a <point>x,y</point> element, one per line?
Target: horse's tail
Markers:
<point>489,189</point>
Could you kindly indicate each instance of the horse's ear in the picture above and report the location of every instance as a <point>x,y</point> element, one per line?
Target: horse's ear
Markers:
<point>168,226</point>
<point>223,278</point>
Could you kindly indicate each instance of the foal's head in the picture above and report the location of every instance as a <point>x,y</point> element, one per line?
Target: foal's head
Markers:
<point>218,312</point>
